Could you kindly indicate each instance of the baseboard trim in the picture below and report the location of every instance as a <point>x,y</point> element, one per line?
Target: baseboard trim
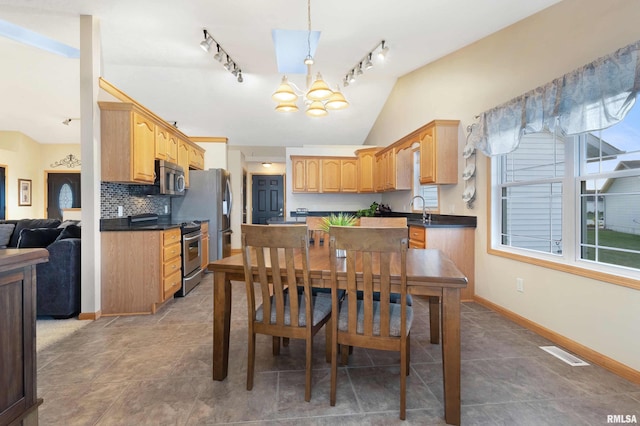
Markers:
<point>236,251</point>
<point>89,315</point>
<point>582,351</point>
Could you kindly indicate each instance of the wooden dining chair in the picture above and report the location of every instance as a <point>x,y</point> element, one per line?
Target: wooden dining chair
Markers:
<point>383,222</point>
<point>373,254</point>
<point>314,224</point>
<point>288,308</point>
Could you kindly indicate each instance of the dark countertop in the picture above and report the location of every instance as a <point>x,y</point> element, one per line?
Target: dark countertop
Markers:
<point>122,224</point>
<point>413,219</point>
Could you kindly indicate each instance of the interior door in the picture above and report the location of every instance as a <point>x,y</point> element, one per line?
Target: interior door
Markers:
<point>268,198</point>
<point>63,192</point>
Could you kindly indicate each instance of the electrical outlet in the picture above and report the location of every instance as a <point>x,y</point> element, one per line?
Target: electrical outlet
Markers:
<point>120,211</point>
<point>166,208</point>
<point>520,285</point>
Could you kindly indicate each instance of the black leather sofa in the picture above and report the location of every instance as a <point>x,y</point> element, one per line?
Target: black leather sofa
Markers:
<point>58,281</point>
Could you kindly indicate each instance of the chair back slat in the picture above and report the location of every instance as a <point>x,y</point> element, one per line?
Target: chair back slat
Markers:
<point>276,270</point>
<point>372,250</point>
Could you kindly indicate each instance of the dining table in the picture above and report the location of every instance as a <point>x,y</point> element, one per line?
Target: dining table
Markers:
<point>430,273</point>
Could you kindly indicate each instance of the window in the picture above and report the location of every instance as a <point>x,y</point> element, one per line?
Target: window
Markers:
<point>572,199</point>
<point>428,192</point>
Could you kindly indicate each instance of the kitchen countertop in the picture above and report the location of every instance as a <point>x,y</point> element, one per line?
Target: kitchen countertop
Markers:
<point>413,219</point>
<point>122,224</point>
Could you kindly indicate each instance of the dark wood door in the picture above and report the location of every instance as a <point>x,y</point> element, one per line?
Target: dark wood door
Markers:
<point>63,192</point>
<point>268,198</point>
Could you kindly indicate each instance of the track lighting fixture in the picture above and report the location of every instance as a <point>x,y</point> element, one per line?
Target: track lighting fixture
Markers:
<point>229,64</point>
<point>365,63</point>
<point>206,43</point>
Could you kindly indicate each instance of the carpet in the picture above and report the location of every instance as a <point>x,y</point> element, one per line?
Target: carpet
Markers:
<point>50,331</point>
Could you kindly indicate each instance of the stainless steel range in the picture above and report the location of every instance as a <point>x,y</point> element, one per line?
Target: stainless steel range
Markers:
<point>191,257</point>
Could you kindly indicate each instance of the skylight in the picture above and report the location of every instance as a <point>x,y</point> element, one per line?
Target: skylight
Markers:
<point>31,38</point>
<point>292,46</point>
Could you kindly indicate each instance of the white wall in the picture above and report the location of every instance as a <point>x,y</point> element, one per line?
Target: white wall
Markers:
<point>24,158</point>
<point>215,155</point>
<point>599,315</point>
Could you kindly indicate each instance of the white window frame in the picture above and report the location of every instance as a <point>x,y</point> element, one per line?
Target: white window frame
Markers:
<point>569,261</point>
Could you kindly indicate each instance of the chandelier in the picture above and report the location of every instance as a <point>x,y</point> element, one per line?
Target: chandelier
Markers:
<point>318,98</point>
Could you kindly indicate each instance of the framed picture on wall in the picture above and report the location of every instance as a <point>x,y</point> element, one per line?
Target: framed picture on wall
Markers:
<point>24,192</point>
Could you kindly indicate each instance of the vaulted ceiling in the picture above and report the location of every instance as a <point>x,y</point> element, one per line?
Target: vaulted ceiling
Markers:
<point>151,51</point>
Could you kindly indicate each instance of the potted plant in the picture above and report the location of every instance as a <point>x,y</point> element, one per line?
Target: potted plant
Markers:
<point>340,219</point>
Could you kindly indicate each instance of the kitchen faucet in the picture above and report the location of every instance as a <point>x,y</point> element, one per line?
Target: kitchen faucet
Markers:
<point>425,218</point>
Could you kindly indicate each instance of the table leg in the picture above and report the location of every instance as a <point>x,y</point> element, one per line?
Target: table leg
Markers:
<point>451,354</point>
<point>221,324</point>
<point>434,319</point>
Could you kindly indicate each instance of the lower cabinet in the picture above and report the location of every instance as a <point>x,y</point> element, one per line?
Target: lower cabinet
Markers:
<point>140,270</point>
<point>458,243</point>
<point>18,370</point>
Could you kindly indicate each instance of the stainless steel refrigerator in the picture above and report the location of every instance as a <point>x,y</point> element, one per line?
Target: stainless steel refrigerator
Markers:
<point>208,198</point>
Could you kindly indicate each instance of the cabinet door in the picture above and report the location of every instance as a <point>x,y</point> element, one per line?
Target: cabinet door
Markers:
<point>196,158</point>
<point>380,172</point>
<point>417,237</point>
<point>331,175</point>
<point>162,141</point>
<point>299,171</point>
<point>143,149</point>
<point>428,157</point>
<point>312,166</point>
<point>172,148</point>
<point>183,159</point>
<point>366,165</point>
<point>349,170</point>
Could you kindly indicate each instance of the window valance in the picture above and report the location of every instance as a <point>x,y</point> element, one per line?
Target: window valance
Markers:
<point>593,97</point>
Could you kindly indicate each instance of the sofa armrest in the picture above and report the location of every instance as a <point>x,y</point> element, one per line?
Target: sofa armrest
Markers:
<point>58,281</point>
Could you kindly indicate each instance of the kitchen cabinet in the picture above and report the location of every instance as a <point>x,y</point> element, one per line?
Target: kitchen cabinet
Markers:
<point>458,243</point>
<point>339,174</point>
<point>393,167</point>
<point>162,141</point>
<point>196,158</point>
<point>172,148</point>
<point>366,167</point>
<point>127,143</point>
<point>306,174</point>
<point>439,152</point>
<point>183,159</point>
<point>204,228</point>
<point>140,270</point>
<point>171,263</point>
<point>18,373</point>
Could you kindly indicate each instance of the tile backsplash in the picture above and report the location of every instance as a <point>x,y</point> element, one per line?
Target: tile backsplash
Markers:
<point>132,198</point>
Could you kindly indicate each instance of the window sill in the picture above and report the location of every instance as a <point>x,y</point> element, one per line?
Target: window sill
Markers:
<point>625,281</point>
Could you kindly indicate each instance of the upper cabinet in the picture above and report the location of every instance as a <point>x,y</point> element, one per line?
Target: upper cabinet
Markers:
<point>339,174</point>
<point>306,174</point>
<point>439,152</point>
<point>196,158</point>
<point>133,138</point>
<point>393,168</point>
<point>366,166</point>
<point>128,143</point>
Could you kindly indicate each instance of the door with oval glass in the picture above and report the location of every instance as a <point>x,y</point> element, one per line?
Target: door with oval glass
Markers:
<point>63,192</point>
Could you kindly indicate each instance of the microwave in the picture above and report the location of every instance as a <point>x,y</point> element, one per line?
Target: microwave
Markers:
<point>169,178</point>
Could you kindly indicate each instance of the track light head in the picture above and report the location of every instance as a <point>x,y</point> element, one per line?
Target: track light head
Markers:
<point>206,43</point>
<point>240,79</point>
<point>218,55</point>
<point>383,50</point>
<point>368,64</point>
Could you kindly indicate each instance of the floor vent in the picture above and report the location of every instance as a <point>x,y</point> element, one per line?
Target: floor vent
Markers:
<point>564,356</point>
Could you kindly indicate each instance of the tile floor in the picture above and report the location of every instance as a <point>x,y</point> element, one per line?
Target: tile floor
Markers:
<point>156,370</point>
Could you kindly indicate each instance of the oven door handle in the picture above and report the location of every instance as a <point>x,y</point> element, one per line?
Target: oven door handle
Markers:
<point>195,237</point>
